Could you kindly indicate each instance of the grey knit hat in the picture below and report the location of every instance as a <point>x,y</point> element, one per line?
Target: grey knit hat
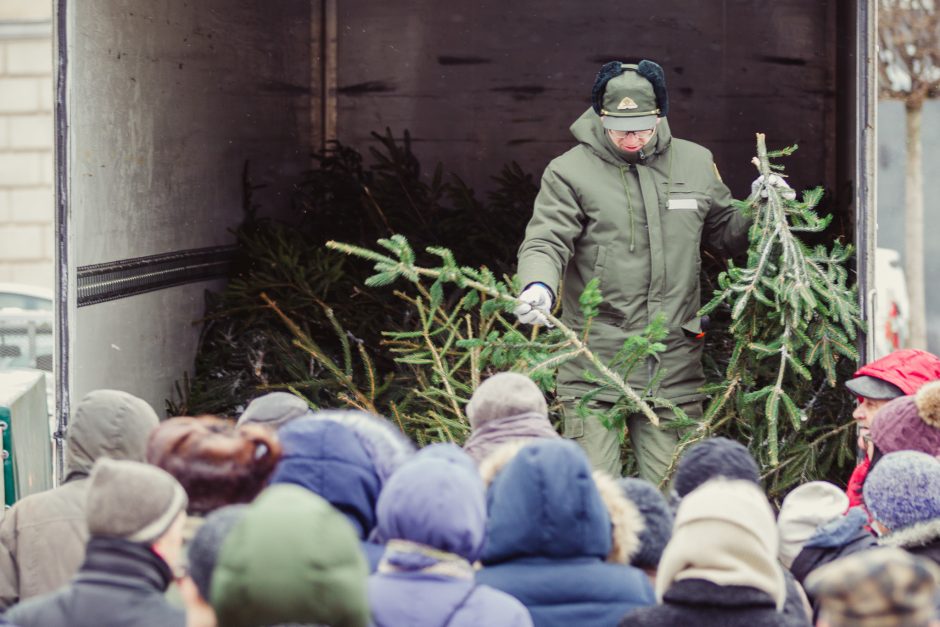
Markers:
<point>503,395</point>
<point>657,519</point>
<point>274,409</point>
<point>203,551</point>
<point>133,501</point>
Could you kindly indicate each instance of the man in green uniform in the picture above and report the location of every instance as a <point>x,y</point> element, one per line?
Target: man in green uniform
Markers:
<point>630,205</point>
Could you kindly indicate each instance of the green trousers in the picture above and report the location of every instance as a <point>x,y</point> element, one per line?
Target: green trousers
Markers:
<point>653,446</point>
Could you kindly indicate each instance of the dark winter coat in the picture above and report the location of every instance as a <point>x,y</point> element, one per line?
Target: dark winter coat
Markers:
<point>931,550</point>
<point>548,535</point>
<point>330,460</point>
<point>705,604</point>
<point>637,225</point>
<point>119,584</point>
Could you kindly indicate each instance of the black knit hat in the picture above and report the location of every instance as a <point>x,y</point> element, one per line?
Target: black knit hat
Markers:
<point>715,457</point>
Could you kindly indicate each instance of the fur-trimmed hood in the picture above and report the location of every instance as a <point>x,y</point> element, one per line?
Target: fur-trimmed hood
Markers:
<point>916,536</point>
<point>557,460</point>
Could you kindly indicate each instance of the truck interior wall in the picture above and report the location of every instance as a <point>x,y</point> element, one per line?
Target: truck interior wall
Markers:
<point>483,83</point>
<point>165,103</point>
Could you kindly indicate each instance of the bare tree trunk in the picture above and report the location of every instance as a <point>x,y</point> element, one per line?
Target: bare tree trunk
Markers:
<point>914,228</point>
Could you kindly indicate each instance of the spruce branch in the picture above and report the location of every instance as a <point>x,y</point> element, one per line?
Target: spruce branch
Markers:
<point>790,303</point>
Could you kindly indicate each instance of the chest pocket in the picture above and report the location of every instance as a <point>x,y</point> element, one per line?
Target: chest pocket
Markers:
<point>686,199</point>
<point>684,214</point>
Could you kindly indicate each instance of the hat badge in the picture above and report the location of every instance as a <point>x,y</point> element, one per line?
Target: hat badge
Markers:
<point>627,103</point>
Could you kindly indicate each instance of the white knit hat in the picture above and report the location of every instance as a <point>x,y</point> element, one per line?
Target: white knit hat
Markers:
<point>804,510</point>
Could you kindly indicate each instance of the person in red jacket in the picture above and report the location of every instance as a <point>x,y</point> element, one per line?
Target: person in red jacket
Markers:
<point>900,373</point>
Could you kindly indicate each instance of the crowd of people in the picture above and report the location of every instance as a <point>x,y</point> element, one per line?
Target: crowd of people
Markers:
<point>295,517</point>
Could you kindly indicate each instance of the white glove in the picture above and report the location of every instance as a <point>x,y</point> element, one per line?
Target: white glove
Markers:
<point>786,192</point>
<point>536,301</point>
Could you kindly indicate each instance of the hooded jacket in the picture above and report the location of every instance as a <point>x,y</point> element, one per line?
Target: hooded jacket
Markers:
<point>42,538</point>
<point>120,584</point>
<point>636,222</point>
<point>548,536</point>
<point>329,459</point>
<point>433,515</point>
<point>290,559</point>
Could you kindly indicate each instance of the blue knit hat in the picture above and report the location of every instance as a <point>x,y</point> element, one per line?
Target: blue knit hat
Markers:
<point>902,492</point>
<point>657,519</point>
<point>714,457</point>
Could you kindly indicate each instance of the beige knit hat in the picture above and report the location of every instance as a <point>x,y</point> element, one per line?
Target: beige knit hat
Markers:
<point>724,533</point>
<point>133,501</point>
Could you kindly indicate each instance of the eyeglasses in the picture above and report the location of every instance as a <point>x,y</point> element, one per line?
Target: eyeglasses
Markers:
<point>641,135</point>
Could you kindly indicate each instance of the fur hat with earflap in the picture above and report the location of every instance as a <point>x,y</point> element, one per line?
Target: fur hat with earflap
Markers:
<point>910,423</point>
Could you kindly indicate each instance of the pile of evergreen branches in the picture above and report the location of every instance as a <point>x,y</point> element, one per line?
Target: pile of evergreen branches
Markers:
<point>301,316</point>
<point>245,346</point>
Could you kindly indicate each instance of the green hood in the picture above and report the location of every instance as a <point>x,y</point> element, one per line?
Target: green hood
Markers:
<point>291,559</point>
<point>589,131</point>
<point>108,423</point>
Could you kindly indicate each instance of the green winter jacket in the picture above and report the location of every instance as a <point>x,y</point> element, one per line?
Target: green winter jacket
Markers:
<point>637,223</point>
<point>291,559</point>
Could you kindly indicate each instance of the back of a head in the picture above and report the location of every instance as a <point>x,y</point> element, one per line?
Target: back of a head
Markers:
<point>291,559</point>
<point>544,502</point>
<point>712,458</point>
<point>274,410</point>
<point>217,463</point>
<point>724,533</point>
<point>436,499</point>
<point>505,395</point>
<point>329,459</point>
<point>108,423</point>
<point>884,587</point>
<point>902,492</point>
<point>803,511</point>
<point>657,519</point>
<point>132,501</point>
<point>384,443</point>
<point>203,550</point>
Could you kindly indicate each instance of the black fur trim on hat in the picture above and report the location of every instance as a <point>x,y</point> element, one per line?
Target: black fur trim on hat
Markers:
<point>607,72</point>
<point>653,72</point>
